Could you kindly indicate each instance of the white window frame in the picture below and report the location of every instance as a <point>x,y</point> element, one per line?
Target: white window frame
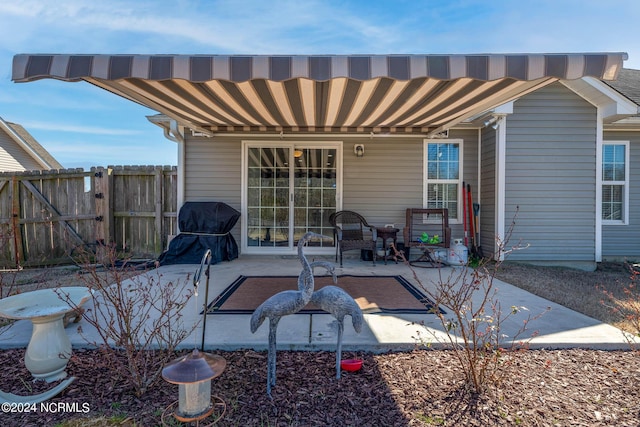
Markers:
<point>624,184</point>
<point>426,181</point>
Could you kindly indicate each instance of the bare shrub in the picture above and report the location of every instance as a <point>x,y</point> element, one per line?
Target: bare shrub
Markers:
<point>133,313</point>
<point>8,271</point>
<point>626,305</point>
<point>472,318</point>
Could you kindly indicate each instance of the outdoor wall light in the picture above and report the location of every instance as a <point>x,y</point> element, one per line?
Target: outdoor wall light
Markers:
<point>491,120</point>
<point>193,374</point>
<point>358,150</point>
<point>497,121</point>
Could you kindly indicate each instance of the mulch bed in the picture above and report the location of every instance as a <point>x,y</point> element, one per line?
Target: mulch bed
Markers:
<point>418,388</point>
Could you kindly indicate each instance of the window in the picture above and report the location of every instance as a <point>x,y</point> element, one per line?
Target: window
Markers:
<point>443,172</point>
<point>615,181</point>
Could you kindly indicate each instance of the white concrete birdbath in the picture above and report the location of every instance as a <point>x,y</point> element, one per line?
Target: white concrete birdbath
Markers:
<point>49,349</point>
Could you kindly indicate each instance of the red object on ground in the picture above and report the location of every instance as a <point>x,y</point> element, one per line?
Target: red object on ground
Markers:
<point>351,365</point>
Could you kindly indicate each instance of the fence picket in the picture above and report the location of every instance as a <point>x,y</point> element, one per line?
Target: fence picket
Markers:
<point>45,216</point>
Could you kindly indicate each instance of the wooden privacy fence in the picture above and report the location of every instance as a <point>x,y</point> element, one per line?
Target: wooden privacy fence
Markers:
<point>47,217</point>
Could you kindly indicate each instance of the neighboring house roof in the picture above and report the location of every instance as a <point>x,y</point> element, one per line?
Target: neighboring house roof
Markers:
<point>21,151</point>
<point>628,84</point>
<point>320,93</point>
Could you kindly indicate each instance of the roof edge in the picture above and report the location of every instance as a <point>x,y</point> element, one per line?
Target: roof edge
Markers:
<point>613,104</point>
<point>30,147</point>
<point>241,68</point>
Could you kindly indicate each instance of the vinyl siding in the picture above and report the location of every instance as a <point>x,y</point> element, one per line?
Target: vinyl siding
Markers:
<point>550,176</point>
<point>620,242</point>
<point>386,181</point>
<point>212,172</point>
<point>381,185</point>
<point>13,157</point>
<point>488,188</point>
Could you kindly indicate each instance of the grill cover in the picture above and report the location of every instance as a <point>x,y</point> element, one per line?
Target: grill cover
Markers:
<point>203,225</point>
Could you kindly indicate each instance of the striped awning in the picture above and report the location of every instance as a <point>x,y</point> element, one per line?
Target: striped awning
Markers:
<point>359,93</point>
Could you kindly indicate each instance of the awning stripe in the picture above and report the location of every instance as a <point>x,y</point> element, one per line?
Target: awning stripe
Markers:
<point>212,96</point>
<point>294,101</point>
<point>280,68</point>
<point>472,91</point>
<point>328,93</point>
<point>308,102</point>
<point>337,88</point>
<point>443,101</point>
<point>369,98</point>
<point>321,102</point>
<point>416,90</point>
<point>396,89</point>
<point>472,95</point>
<point>268,106</point>
<point>349,95</point>
<point>163,94</point>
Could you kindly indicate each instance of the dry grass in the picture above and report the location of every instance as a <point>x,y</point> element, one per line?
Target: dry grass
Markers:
<point>31,279</point>
<point>99,422</point>
<point>582,291</point>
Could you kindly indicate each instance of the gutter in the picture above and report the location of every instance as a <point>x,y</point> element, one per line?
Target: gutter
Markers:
<point>174,132</point>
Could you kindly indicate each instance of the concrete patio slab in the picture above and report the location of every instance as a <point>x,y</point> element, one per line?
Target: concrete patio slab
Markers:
<point>558,327</point>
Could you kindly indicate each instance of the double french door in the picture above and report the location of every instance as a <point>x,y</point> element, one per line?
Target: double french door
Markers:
<point>288,189</point>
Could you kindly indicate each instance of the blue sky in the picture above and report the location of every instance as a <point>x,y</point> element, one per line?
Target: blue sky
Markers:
<point>84,126</point>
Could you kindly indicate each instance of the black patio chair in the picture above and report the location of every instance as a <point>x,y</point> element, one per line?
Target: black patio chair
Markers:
<point>349,233</point>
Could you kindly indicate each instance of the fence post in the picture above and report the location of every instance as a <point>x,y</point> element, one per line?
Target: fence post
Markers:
<point>159,193</point>
<point>16,230</point>
<point>104,213</point>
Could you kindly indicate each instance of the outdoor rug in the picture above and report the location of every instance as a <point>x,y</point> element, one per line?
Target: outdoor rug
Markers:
<point>374,294</point>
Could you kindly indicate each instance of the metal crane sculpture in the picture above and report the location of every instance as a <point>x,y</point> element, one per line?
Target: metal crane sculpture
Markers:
<point>285,303</point>
<point>336,301</point>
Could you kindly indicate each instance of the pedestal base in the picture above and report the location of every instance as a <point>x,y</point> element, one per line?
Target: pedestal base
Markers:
<point>218,409</point>
<point>49,349</point>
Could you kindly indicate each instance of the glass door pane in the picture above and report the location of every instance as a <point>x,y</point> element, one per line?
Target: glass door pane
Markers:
<point>268,197</point>
<point>315,183</point>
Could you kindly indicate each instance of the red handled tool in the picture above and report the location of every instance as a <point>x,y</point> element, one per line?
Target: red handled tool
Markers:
<point>470,215</point>
<point>464,213</point>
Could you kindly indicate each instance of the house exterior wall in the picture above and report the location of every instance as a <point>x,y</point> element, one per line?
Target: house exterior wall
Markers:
<point>618,241</point>
<point>13,157</point>
<point>488,191</point>
<point>213,172</point>
<point>551,177</point>
<point>381,185</point>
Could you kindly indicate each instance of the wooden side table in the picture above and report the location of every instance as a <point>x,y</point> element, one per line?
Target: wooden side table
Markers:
<point>386,233</point>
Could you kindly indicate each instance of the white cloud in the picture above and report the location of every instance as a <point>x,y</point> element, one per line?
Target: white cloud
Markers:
<point>61,127</point>
<point>226,26</point>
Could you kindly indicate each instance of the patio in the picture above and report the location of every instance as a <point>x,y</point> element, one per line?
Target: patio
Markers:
<point>559,328</point>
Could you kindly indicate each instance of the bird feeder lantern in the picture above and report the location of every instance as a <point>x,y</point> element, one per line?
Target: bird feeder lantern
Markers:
<point>193,374</point>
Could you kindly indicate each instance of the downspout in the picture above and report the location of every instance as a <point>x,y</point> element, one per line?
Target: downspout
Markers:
<point>501,155</point>
<point>479,187</point>
<point>173,133</point>
<point>598,207</point>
